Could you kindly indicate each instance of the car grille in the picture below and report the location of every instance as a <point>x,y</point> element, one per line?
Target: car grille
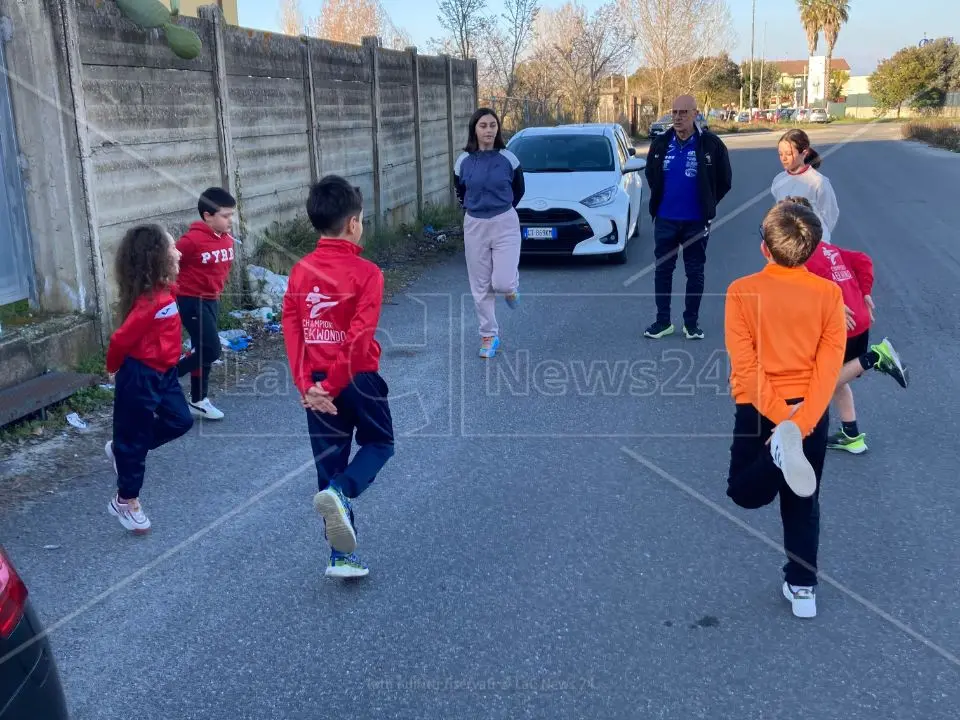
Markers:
<point>547,217</point>
<point>572,228</point>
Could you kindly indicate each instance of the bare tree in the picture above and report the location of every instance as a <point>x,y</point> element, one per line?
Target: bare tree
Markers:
<point>584,51</point>
<point>507,41</point>
<point>465,21</point>
<point>349,21</point>
<point>675,34</point>
<point>291,18</point>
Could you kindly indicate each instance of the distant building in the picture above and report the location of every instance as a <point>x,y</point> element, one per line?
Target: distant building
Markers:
<point>806,78</point>
<point>189,8</point>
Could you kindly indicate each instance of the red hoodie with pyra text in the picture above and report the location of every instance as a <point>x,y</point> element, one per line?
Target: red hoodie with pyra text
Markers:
<point>330,315</point>
<point>205,262</point>
<point>151,333</point>
<point>853,272</point>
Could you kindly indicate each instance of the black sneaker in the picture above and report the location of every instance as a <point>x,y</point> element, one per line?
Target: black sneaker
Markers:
<point>692,332</point>
<point>658,330</point>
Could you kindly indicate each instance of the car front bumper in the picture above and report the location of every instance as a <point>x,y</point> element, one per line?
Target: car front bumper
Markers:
<point>570,228</point>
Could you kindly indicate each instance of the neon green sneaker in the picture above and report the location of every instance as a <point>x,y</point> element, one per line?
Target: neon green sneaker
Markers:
<point>841,441</point>
<point>890,363</point>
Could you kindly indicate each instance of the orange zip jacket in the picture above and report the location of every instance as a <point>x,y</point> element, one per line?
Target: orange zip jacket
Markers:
<point>786,335</point>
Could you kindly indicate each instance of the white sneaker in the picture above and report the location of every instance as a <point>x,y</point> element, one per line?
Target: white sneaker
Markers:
<point>802,599</point>
<point>786,447</point>
<point>205,409</point>
<point>108,449</point>
<point>130,514</point>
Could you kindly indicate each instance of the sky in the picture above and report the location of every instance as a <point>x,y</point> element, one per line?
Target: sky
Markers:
<point>869,36</point>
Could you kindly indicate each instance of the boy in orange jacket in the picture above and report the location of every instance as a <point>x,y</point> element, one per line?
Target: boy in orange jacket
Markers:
<point>785,334</point>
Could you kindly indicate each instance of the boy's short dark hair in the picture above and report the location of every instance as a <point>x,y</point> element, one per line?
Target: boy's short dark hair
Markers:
<point>791,233</point>
<point>331,204</point>
<point>214,200</point>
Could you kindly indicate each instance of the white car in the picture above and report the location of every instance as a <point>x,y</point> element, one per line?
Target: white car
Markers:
<point>584,190</point>
<point>819,115</point>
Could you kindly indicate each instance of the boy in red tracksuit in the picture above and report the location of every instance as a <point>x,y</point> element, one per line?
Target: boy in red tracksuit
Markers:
<point>852,271</point>
<point>330,315</point>
<point>149,409</point>
<point>208,252</point>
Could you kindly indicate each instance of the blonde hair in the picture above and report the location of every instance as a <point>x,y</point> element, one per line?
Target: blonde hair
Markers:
<point>791,233</point>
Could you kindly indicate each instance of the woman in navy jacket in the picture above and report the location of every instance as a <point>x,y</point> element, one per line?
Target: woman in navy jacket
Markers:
<point>489,185</point>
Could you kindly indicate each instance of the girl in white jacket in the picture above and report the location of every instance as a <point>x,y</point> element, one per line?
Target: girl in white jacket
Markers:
<point>801,177</point>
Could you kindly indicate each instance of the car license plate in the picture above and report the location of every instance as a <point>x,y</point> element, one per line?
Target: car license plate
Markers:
<point>540,233</point>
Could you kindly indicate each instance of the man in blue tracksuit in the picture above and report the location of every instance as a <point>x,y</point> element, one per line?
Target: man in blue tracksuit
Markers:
<point>688,171</point>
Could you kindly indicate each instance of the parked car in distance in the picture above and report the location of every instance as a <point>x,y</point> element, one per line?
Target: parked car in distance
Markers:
<point>660,126</point>
<point>802,115</point>
<point>743,117</point>
<point>29,680</point>
<point>819,115</point>
<point>584,190</point>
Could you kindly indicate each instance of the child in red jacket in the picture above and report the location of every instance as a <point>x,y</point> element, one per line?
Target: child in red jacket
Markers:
<point>852,271</point>
<point>149,409</point>
<point>330,315</point>
<point>208,251</point>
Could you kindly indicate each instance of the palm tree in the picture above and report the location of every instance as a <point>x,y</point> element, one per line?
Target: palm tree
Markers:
<point>810,18</point>
<point>834,14</point>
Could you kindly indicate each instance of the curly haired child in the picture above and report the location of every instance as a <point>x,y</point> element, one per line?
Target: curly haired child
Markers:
<point>149,409</point>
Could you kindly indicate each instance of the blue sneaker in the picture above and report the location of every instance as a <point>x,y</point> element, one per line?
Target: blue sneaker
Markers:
<point>334,506</point>
<point>513,300</point>
<point>489,346</point>
<point>345,566</point>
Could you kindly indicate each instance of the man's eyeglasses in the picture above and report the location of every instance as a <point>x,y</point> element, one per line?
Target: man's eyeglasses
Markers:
<point>680,112</point>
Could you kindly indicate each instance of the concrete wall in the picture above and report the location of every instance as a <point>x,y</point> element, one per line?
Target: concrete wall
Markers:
<point>122,131</point>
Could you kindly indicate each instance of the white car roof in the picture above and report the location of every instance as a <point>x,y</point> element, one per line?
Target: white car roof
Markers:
<point>585,129</point>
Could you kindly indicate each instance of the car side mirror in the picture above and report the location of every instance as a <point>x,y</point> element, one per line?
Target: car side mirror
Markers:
<point>634,164</point>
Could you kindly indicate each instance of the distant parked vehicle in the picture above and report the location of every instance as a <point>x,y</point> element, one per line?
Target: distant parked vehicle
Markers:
<point>819,115</point>
<point>661,126</point>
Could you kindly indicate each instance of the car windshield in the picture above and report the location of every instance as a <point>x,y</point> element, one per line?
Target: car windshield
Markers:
<point>563,153</point>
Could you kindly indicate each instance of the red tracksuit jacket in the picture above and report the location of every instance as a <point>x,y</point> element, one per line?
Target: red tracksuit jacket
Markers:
<point>151,333</point>
<point>205,265</point>
<point>330,315</point>
<point>853,272</point>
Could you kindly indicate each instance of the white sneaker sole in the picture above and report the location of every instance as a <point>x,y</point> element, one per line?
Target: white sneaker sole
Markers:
<point>127,523</point>
<point>797,470</point>
<point>203,414</point>
<point>807,609</point>
<point>340,534</point>
<point>346,572</point>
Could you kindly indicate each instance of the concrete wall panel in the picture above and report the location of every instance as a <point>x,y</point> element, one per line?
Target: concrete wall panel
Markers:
<point>262,54</point>
<point>130,106</point>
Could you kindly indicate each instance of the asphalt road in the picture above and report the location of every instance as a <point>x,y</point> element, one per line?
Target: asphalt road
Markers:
<point>552,538</point>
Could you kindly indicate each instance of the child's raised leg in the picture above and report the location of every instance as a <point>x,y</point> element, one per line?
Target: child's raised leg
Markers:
<point>753,480</point>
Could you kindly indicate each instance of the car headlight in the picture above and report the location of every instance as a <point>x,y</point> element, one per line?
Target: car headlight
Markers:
<point>604,197</point>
